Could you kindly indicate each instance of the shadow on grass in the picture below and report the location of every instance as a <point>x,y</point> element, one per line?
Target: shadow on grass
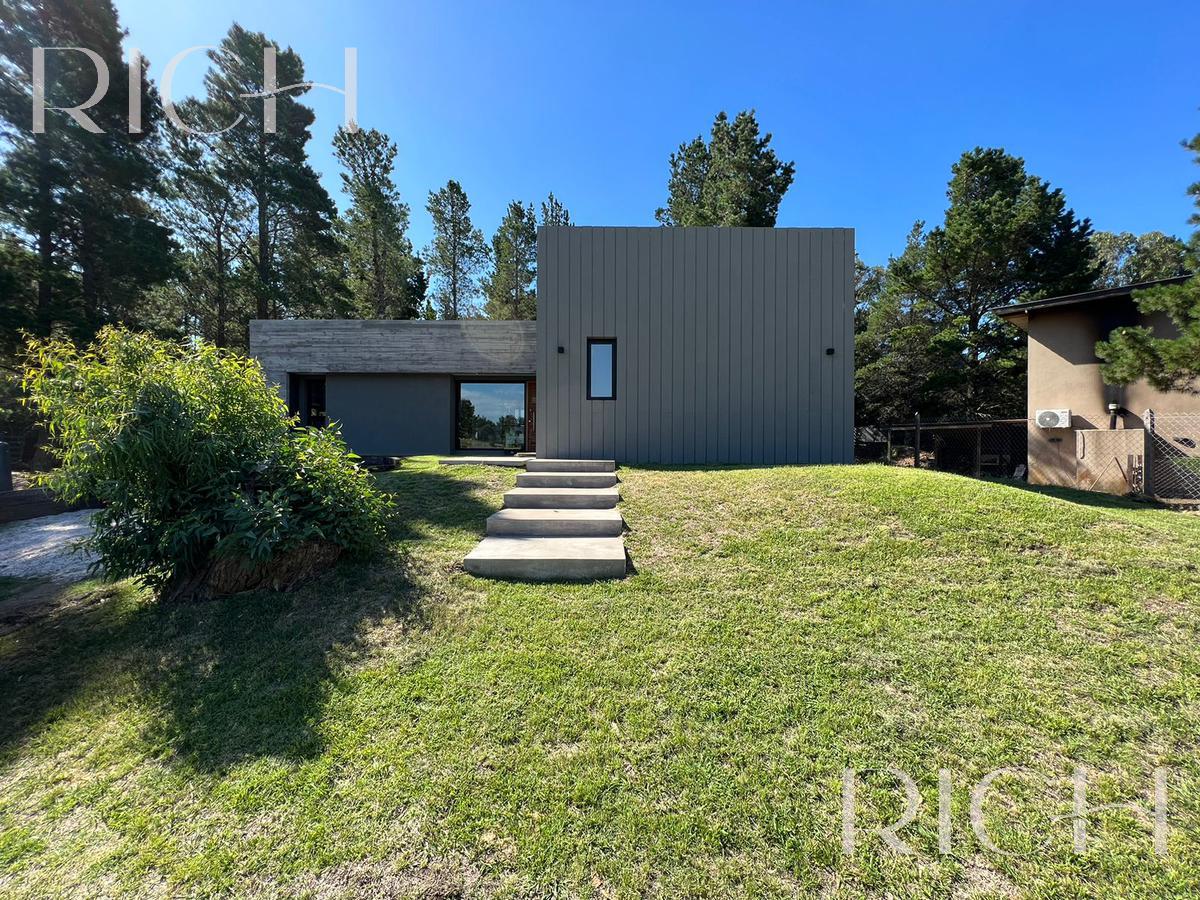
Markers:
<point>1080,497</point>
<point>232,679</point>
<point>433,497</point>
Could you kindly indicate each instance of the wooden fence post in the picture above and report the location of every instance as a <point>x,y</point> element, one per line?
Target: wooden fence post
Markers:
<point>917,442</point>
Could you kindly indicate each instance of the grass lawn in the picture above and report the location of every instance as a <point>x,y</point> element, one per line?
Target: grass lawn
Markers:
<point>401,728</point>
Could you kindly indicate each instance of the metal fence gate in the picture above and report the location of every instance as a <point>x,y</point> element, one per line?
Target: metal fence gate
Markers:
<point>991,448</point>
<point>1173,440</point>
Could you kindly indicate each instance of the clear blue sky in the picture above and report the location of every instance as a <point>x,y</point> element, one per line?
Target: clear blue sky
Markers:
<point>873,101</point>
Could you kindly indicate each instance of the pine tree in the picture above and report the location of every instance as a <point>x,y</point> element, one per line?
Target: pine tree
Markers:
<point>375,227</point>
<point>510,287</point>
<point>553,212</point>
<point>211,219</point>
<point>79,199</point>
<point>1007,236</point>
<point>457,253</point>
<point>272,168</point>
<point>733,180</point>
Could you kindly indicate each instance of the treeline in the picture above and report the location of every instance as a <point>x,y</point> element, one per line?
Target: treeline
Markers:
<point>925,342</point>
<point>194,232</point>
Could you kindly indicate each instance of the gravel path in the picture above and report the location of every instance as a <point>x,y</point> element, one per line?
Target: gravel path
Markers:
<point>43,547</point>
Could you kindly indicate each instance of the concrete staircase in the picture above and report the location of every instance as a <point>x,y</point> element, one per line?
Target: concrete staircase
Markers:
<point>560,523</point>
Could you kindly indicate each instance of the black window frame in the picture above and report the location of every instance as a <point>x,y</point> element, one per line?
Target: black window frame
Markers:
<point>612,342</point>
<point>460,380</point>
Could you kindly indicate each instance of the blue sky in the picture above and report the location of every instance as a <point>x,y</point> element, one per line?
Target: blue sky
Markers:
<point>873,101</point>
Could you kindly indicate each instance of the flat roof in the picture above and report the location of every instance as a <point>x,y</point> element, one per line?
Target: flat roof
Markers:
<point>1018,309</point>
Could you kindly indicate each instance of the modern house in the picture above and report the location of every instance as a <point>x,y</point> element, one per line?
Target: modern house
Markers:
<point>652,345</point>
<point>1086,433</point>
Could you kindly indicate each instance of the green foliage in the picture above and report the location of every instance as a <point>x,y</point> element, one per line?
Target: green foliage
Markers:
<point>296,256</point>
<point>553,211</point>
<point>734,180</point>
<point>78,199</point>
<point>374,229</point>
<point>929,343</point>
<point>509,288</point>
<point>193,456</point>
<point>457,253</point>
<point>211,218</point>
<point>1167,363</point>
<point>1125,258</point>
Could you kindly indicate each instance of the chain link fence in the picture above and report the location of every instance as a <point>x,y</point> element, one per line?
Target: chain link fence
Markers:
<point>1173,440</point>
<point>986,448</point>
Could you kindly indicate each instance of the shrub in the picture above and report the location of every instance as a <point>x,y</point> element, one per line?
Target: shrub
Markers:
<point>195,460</point>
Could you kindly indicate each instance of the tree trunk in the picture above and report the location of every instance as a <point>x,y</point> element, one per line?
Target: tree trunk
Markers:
<point>377,273</point>
<point>264,258</point>
<point>221,299</point>
<point>516,287</point>
<point>45,240</point>
<point>453,273</point>
<point>89,283</point>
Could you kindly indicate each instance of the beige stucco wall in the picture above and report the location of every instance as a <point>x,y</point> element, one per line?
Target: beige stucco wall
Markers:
<point>1065,373</point>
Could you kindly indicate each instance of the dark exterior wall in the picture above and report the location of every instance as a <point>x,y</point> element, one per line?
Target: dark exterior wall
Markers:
<point>1064,373</point>
<point>721,338</point>
<point>393,415</point>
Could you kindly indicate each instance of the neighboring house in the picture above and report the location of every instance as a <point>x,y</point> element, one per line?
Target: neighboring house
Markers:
<point>652,345</point>
<point>1083,432</point>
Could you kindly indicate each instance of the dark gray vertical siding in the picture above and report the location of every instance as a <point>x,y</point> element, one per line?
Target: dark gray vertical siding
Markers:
<point>814,350</point>
<point>721,337</point>
<point>757,350</point>
<point>723,346</point>
<point>845,382</point>
<point>697,342</point>
<point>743,360</point>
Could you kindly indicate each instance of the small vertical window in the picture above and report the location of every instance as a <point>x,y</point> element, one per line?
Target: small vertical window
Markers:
<point>602,368</point>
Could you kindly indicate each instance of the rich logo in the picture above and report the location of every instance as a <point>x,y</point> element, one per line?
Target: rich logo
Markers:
<point>270,90</point>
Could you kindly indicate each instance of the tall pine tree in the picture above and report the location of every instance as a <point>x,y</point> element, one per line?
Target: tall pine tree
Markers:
<point>457,253</point>
<point>733,180</point>
<point>271,167</point>
<point>375,228</point>
<point>211,218</point>
<point>510,286</point>
<point>80,200</point>
<point>929,340</point>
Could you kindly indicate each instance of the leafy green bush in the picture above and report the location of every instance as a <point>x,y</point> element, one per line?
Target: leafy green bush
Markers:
<point>194,458</point>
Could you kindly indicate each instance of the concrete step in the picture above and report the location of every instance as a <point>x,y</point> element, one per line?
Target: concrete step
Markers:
<point>548,558</point>
<point>561,498</point>
<point>556,522</point>
<point>570,465</point>
<point>566,479</point>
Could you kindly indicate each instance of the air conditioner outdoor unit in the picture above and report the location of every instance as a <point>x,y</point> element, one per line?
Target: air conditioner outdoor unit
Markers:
<point>1054,418</point>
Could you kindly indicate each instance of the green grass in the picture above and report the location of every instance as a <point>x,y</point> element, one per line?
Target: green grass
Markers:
<point>405,729</point>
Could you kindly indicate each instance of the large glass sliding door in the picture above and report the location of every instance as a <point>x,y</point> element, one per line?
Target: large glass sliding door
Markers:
<point>491,415</point>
